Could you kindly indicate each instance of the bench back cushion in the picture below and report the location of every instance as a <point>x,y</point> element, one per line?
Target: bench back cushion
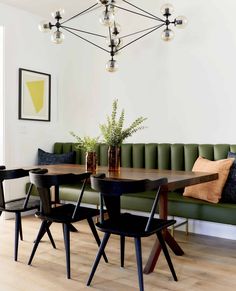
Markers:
<point>164,156</point>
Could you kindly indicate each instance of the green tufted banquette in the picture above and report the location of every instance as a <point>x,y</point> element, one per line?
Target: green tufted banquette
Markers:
<point>153,155</point>
<point>161,156</point>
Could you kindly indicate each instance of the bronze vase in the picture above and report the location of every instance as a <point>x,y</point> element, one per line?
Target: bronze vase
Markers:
<point>91,162</point>
<point>114,159</point>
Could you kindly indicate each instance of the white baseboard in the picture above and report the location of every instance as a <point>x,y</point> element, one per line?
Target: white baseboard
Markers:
<point>8,215</point>
<point>209,228</point>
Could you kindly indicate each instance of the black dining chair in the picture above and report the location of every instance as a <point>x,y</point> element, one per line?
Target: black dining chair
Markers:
<point>19,205</point>
<point>127,224</point>
<point>66,214</point>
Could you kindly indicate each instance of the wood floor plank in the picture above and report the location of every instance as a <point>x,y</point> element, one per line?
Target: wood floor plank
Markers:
<point>208,264</point>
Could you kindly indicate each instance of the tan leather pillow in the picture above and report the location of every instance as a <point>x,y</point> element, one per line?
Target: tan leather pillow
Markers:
<point>209,191</point>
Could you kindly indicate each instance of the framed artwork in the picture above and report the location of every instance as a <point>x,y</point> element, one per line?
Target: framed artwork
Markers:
<point>34,95</point>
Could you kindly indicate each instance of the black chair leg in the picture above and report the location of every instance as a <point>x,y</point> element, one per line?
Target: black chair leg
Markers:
<point>72,228</point>
<point>95,234</point>
<point>17,232</point>
<point>122,250</point>
<point>138,249</point>
<point>41,233</point>
<point>21,232</point>
<point>167,256</point>
<point>98,257</point>
<point>66,232</point>
<point>48,224</point>
<point>50,235</point>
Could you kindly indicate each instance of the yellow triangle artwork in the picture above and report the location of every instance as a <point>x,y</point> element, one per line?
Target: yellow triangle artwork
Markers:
<point>36,90</point>
<point>34,95</point>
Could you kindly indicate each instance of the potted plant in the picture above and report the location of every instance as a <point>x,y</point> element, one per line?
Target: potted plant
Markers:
<point>88,144</point>
<point>114,134</point>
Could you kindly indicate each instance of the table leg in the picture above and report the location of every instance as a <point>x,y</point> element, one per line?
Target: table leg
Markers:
<point>172,243</point>
<point>153,257</point>
<point>113,206</point>
<point>156,249</point>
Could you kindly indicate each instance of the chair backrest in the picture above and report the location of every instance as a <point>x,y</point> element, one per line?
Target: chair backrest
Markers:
<point>44,181</point>
<point>8,175</point>
<point>118,187</point>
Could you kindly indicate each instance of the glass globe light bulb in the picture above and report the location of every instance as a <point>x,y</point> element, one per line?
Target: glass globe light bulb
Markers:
<point>58,13</point>
<point>119,45</point>
<point>112,8</point>
<point>113,41</point>
<point>57,37</point>
<point>107,18</point>
<point>116,50</point>
<point>167,9</point>
<point>111,66</point>
<point>181,21</point>
<point>44,26</point>
<point>120,42</point>
<point>167,34</point>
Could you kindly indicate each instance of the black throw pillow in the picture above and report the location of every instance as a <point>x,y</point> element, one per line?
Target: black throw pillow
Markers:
<point>229,191</point>
<point>45,158</point>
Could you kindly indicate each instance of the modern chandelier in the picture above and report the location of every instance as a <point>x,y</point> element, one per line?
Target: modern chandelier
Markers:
<point>114,40</point>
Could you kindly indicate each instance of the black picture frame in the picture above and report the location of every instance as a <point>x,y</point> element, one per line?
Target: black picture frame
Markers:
<point>34,95</point>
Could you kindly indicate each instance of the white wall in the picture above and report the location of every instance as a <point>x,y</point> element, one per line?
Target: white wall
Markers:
<point>24,47</point>
<point>186,88</point>
<point>1,96</point>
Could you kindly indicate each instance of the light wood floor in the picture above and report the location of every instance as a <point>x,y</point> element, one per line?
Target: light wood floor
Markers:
<point>208,264</point>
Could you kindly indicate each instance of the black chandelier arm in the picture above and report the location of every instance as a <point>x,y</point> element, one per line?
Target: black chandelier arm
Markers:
<point>80,13</point>
<point>109,29</point>
<point>137,13</point>
<point>158,18</point>
<point>81,37</point>
<point>157,27</point>
<point>111,44</point>
<point>140,31</point>
<point>83,31</point>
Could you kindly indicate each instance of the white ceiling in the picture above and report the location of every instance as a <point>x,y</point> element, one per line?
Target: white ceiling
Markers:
<point>45,7</point>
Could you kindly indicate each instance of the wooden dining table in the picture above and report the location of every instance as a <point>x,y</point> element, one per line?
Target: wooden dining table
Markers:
<point>176,180</point>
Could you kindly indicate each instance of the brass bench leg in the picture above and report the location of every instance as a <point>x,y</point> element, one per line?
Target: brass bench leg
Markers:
<point>172,231</point>
<point>186,229</point>
<point>185,222</point>
<point>97,217</point>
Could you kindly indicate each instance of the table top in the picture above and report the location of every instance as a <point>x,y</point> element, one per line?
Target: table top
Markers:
<point>176,179</point>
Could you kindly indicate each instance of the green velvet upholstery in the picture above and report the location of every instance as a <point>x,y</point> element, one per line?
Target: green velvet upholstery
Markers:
<point>163,156</point>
